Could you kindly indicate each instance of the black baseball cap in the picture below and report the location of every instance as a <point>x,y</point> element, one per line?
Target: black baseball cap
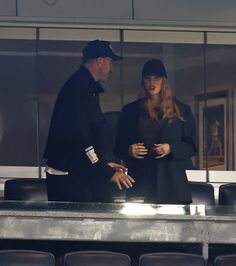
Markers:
<point>154,67</point>
<point>99,48</point>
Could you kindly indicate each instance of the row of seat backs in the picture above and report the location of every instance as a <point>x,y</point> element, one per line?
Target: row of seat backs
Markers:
<point>34,189</point>
<point>183,259</point>
<point>203,193</point>
<point>26,258</point>
<point>107,258</point>
<point>27,189</point>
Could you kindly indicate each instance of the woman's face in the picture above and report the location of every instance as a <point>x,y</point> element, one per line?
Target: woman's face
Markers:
<point>152,84</point>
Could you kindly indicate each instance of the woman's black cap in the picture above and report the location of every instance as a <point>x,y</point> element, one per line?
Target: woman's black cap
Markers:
<point>154,67</point>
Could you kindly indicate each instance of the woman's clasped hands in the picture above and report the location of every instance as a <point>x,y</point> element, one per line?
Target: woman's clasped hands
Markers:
<point>139,150</point>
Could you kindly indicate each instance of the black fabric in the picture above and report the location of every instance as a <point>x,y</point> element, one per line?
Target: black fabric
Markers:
<point>96,258</point>
<point>171,259</point>
<point>167,176</point>
<point>26,258</point>
<point>26,189</point>
<point>76,124</point>
<point>109,135</point>
<point>150,130</point>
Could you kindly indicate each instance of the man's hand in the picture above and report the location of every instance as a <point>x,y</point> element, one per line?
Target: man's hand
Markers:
<point>118,167</point>
<point>122,179</point>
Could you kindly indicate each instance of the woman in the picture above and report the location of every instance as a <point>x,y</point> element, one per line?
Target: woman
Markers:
<point>156,140</point>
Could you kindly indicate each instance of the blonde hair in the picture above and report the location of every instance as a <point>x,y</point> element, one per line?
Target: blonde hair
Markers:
<point>167,105</point>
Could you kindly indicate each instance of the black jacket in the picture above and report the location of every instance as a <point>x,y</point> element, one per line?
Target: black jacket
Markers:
<point>76,127</point>
<point>171,185</point>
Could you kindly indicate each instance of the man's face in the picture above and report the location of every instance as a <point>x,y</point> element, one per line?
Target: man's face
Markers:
<point>105,68</point>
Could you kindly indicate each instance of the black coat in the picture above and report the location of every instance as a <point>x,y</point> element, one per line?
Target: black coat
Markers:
<point>76,126</point>
<point>159,180</point>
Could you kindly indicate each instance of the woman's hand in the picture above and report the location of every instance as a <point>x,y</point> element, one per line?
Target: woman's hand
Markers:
<point>138,150</point>
<point>161,150</point>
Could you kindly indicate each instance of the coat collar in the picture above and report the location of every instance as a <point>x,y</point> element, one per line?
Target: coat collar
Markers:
<point>91,85</point>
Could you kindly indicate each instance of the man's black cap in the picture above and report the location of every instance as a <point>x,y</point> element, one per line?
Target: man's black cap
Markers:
<point>99,48</point>
<point>154,67</point>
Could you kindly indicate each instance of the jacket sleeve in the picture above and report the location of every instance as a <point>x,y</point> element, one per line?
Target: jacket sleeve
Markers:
<point>186,148</point>
<point>122,135</point>
<point>84,138</point>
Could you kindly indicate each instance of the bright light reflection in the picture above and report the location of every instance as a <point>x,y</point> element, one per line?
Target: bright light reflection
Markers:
<point>138,209</point>
<point>197,210</point>
<point>171,209</point>
<point>131,208</point>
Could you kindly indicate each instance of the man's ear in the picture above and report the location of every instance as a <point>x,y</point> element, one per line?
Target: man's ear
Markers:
<point>99,60</point>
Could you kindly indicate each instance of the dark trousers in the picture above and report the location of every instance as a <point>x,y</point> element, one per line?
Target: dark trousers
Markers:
<point>58,187</point>
<point>73,188</point>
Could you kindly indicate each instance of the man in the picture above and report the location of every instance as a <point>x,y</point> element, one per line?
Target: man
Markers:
<point>76,170</point>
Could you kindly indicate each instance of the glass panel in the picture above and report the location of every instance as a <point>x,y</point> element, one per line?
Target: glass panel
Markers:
<point>127,210</point>
<point>59,55</point>
<point>182,54</point>
<point>60,52</point>
<point>221,82</point>
<point>184,62</point>
<point>18,99</point>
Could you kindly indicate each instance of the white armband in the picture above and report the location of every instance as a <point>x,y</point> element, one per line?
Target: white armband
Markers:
<point>91,154</point>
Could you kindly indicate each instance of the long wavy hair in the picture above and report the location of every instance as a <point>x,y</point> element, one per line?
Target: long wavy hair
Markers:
<point>167,106</point>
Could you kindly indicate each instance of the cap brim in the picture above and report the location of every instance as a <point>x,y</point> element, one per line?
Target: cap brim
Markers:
<point>116,57</point>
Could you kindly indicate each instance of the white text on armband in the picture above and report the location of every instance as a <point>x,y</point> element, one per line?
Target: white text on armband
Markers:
<point>91,154</point>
